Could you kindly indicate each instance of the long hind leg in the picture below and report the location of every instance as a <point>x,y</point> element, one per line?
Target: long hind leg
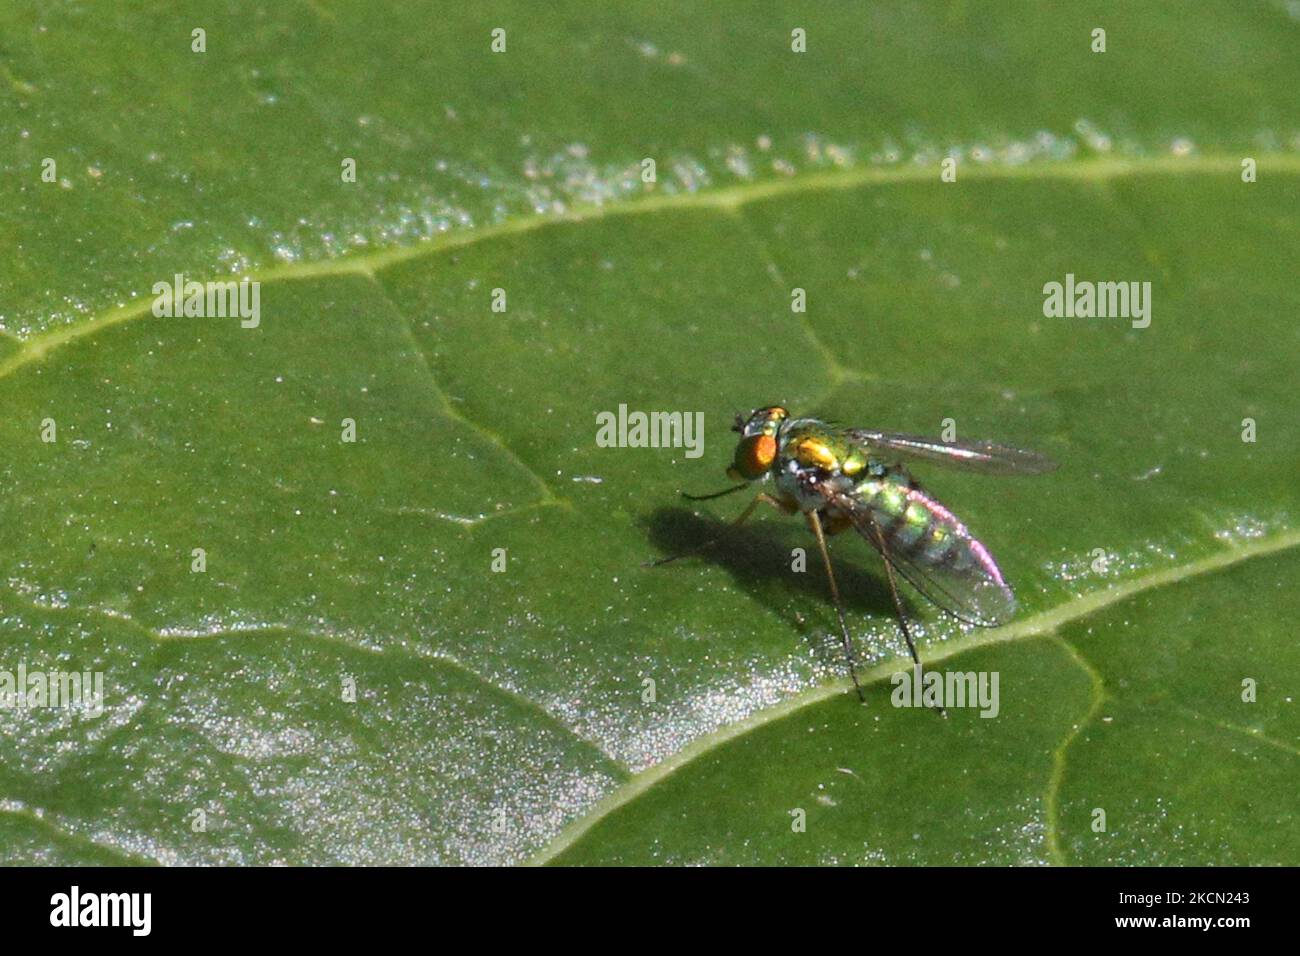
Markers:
<point>815,523</point>
<point>892,578</point>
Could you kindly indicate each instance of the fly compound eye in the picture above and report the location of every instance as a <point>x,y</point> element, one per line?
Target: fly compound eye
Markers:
<point>754,456</point>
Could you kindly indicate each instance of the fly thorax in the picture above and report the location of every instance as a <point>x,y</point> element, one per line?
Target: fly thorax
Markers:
<point>793,483</point>
<point>811,487</point>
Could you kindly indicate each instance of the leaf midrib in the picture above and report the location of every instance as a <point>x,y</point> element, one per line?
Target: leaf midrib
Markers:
<point>727,199</point>
<point>1045,624</point>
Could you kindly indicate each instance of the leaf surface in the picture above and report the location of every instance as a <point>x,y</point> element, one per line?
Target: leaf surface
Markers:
<point>502,717</point>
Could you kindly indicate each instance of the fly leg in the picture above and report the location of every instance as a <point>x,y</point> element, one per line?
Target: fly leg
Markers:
<point>815,523</point>
<point>717,494</point>
<point>893,590</point>
<point>760,498</point>
<point>898,602</point>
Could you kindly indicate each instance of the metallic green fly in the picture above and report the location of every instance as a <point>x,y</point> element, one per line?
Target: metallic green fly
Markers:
<point>856,478</point>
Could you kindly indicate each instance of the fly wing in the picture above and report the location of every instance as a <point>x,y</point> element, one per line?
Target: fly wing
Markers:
<point>940,558</point>
<point>982,456</point>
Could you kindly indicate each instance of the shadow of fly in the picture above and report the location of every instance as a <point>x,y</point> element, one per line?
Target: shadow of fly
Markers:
<point>840,478</point>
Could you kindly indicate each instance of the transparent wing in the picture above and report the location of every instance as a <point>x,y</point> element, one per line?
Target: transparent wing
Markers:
<point>961,579</point>
<point>983,456</point>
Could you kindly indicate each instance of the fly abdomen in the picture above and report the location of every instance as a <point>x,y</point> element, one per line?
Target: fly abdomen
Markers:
<point>913,524</point>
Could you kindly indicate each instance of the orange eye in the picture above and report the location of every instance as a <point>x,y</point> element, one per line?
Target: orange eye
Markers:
<point>755,455</point>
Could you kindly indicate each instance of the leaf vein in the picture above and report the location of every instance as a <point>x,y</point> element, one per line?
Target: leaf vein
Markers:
<point>1040,625</point>
<point>62,832</point>
<point>1250,732</point>
<point>433,659</point>
<point>726,200</point>
<point>548,495</point>
<point>1052,795</point>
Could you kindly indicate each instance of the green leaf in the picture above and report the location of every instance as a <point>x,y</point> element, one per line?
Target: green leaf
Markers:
<point>1157,737</point>
<point>503,717</point>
